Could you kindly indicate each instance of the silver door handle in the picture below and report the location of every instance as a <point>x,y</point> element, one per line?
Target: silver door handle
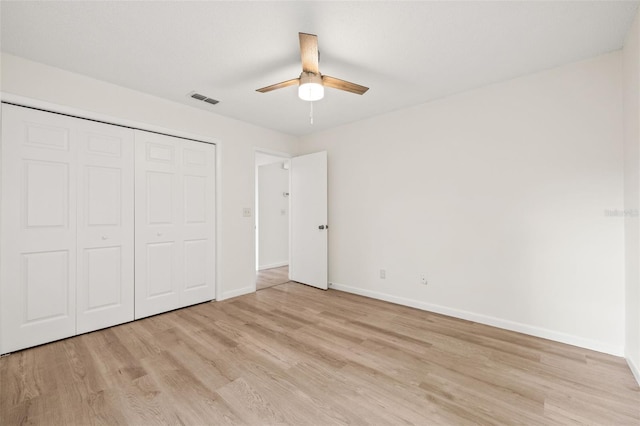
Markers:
<point>104,237</point>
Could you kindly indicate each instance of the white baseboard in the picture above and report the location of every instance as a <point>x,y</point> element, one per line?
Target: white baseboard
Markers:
<point>238,292</point>
<point>634,369</point>
<point>487,320</point>
<point>273,265</point>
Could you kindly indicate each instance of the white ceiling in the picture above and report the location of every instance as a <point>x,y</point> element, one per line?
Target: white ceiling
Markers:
<point>406,52</point>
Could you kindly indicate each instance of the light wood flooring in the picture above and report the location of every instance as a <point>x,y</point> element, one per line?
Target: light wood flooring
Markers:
<point>292,354</point>
<point>269,277</point>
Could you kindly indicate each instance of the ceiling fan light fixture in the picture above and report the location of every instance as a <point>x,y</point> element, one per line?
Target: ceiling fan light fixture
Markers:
<point>310,88</point>
<point>311,82</point>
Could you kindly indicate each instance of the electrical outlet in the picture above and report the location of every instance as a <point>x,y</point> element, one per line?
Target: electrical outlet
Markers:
<point>383,274</point>
<point>423,279</point>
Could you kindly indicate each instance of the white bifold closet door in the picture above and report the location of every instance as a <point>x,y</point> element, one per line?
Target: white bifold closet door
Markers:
<point>174,222</point>
<point>105,232</point>
<point>66,251</point>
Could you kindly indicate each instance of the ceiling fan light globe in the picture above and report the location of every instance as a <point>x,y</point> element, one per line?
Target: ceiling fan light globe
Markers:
<point>311,91</point>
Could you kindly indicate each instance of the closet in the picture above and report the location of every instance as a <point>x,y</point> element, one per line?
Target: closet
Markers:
<point>100,225</point>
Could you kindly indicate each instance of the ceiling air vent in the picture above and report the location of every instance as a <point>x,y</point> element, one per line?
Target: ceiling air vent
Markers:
<point>202,98</point>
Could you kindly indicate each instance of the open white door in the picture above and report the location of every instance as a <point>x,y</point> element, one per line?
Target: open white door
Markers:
<point>308,264</point>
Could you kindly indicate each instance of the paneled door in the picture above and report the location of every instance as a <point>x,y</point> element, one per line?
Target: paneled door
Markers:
<point>174,222</point>
<point>38,244</point>
<point>105,225</point>
<point>309,227</point>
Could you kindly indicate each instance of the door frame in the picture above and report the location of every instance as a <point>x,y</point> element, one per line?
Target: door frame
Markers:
<point>25,101</point>
<point>284,156</point>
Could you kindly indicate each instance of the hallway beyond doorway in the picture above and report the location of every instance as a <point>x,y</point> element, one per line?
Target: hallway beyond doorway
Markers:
<point>269,277</point>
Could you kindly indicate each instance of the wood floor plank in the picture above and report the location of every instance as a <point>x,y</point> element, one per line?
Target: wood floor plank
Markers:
<point>292,354</point>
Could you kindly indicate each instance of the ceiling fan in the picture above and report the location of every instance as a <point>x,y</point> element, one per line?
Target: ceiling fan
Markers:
<point>311,83</point>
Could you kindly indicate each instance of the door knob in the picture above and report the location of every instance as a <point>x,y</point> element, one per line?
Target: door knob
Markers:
<point>321,227</point>
<point>104,237</point>
<point>159,234</point>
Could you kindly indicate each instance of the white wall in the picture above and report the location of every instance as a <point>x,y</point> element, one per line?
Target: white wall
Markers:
<point>499,196</point>
<point>273,216</point>
<point>631,70</point>
<point>239,140</point>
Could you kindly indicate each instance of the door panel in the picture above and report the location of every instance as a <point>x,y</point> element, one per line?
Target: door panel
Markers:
<point>105,226</point>
<point>106,145</point>
<point>161,153</point>
<point>160,204</point>
<point>195,199</point>
<point>45,280</point>
<point>46,186</point>
<point>103,277</point>
<point>38,221</point>
<point>44,135</point>
<point>308,263</point>
<point>160,271</point>
<point>104,204</point>
<point>195,262</point>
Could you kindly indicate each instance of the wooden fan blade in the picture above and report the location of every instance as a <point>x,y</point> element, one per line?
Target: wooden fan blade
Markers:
<point>336,83</point>
<point>279,85</point>
<point>309,52</point>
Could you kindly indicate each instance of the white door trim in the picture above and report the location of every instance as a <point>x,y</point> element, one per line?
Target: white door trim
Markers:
<point>96,116</point>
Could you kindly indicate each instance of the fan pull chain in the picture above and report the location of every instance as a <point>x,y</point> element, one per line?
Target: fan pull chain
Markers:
<point>311,113</point>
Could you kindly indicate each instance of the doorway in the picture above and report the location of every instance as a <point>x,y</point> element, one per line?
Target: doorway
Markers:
<point>272,219</point>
